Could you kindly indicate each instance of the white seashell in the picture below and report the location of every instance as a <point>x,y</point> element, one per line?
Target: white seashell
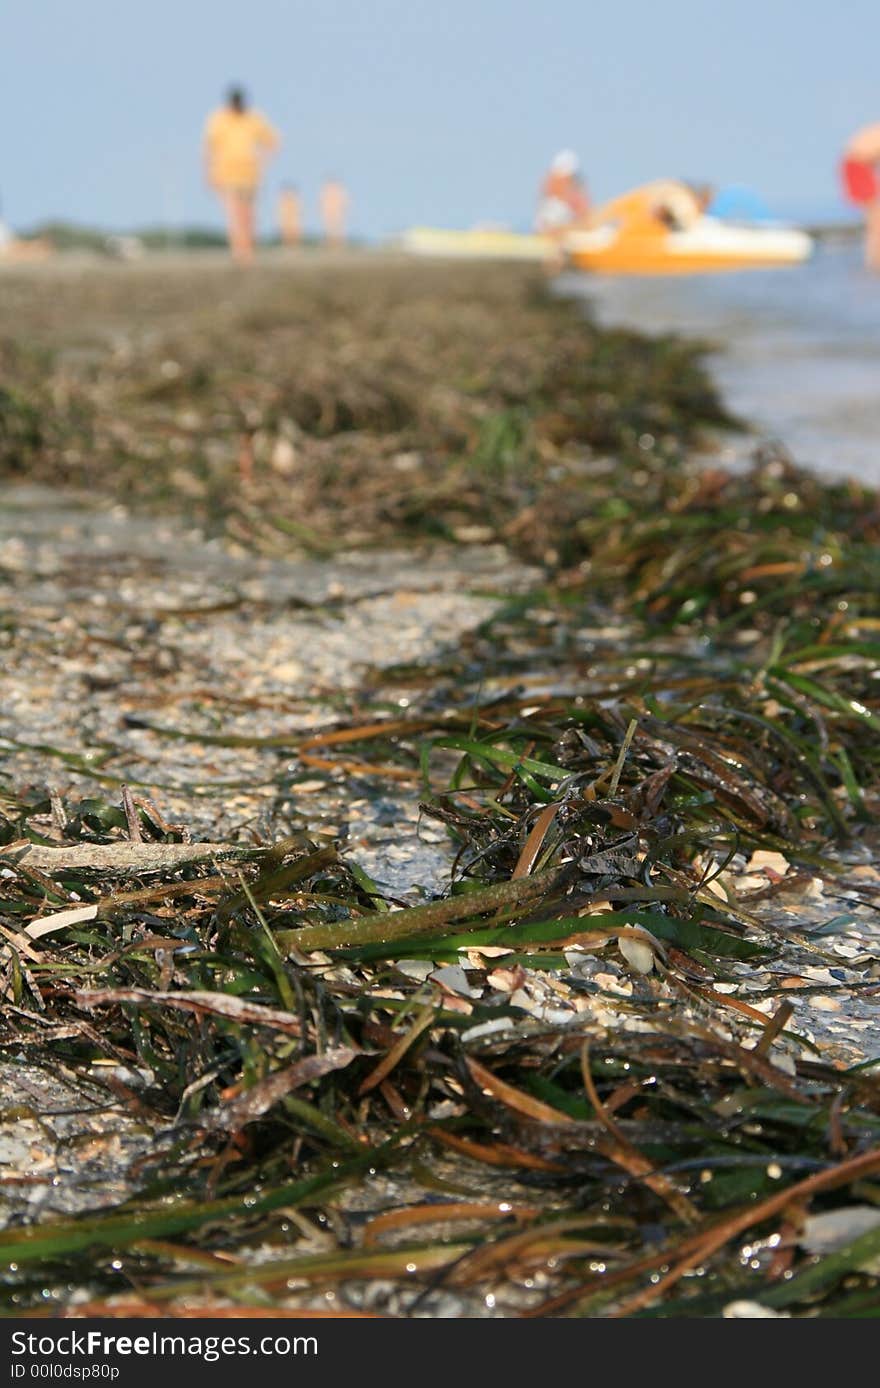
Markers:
<point>639,956</point>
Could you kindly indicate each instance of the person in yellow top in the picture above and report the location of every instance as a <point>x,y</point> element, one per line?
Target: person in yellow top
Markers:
<point>237,142</point>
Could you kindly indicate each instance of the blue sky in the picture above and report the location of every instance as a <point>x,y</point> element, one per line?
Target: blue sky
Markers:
<point>433,111</point>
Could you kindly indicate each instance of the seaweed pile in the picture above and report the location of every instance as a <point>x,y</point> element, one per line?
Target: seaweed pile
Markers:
<point>579,1082</point>
<point>376,402</point>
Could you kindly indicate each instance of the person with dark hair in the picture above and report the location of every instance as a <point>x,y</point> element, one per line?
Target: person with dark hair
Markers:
<point>236,143</point>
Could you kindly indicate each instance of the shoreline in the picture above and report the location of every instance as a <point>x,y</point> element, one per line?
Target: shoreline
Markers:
<point>793,351</point>
<point>666,700</point>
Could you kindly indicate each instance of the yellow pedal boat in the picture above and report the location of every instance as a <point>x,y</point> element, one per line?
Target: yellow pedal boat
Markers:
<point>657,229</point>
<point>706,247</point>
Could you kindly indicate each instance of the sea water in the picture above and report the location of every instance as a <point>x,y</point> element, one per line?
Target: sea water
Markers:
<point>796,352</point>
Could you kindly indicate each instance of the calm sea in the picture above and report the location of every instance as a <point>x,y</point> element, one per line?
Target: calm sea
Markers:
<point>797,351</point>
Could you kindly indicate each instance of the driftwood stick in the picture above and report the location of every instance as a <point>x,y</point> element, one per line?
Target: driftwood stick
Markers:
<point>124,859</point>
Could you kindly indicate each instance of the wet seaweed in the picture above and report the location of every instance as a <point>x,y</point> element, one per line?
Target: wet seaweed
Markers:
<point>573,1083</point>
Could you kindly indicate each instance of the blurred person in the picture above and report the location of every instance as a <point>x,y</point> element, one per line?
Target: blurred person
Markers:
<point>12,247</point>
<point>860,172</point>
<point>679,204</point>
<point>30,248</point>
<point>668,202</point>
<point>334,209</point>
<point>289,215</point>
<point>237,141</point>
<point>563,202</point>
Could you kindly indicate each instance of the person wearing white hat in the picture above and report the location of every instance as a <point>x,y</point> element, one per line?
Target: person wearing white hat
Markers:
<point>563,201</point>
<point>565,162</point>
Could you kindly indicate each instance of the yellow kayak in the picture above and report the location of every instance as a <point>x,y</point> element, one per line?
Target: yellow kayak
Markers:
<point>480,244</point>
